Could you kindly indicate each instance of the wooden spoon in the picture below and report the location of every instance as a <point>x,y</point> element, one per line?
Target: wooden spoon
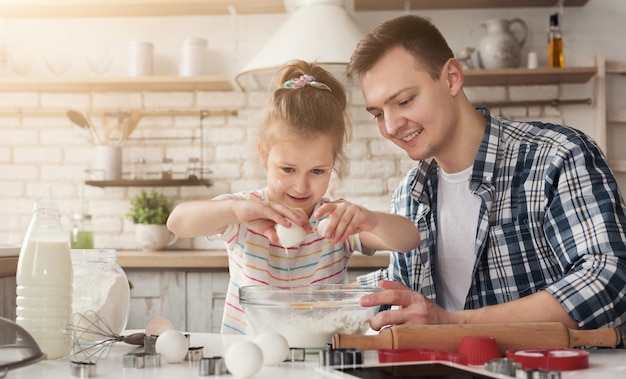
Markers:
<point>84,122</point>
<point>133,121</point>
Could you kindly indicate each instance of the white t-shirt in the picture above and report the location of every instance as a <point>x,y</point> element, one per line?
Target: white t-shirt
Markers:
<point>457,220</point>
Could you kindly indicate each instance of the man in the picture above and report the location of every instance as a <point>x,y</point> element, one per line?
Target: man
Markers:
<point>519,222</point>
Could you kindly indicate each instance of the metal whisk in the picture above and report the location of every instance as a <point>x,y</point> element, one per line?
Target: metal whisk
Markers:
<point>92,337</point>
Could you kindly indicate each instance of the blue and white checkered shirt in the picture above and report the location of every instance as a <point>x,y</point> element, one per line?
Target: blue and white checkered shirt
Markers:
<point>552,218</point>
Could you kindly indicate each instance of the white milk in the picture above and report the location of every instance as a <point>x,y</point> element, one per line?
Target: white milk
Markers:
<point>44,294</point>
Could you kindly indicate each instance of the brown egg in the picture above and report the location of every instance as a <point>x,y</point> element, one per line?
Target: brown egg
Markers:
<point>158,325</point>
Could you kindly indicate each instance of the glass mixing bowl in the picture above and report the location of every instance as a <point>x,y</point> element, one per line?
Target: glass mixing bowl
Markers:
<point>307,316</point>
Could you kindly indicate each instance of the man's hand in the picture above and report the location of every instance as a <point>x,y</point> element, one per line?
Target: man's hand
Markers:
<point>412,307</point>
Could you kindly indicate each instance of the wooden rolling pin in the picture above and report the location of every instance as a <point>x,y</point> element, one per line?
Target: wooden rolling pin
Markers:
<point>508,336</point>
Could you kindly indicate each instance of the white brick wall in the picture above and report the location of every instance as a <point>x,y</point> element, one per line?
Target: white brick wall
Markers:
<point>48,156</point>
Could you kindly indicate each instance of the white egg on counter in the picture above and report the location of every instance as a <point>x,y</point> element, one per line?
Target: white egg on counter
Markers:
<point>291,236</point>
<point>172,345</point>
<point>321,227</point>
<point>243,359</point>
<point>274,346</point>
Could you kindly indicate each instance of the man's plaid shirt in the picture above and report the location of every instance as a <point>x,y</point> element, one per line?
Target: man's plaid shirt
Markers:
<point>552,218</point>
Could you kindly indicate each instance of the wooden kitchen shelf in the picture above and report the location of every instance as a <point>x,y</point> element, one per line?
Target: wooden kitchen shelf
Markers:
<point>149,183</point>
<point>615,67</point>
<point>164,8</point>
<point>617,116</point>
<point>396,5</point>
<point>525,76</point>
<point>113,84</point>
<point>134,8</point>
<point>514,76</point>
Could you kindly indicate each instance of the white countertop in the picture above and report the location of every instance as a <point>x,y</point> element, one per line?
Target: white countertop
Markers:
<point>605,364</point>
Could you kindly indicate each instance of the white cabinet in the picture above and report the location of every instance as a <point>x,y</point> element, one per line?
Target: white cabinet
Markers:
<point>7,295</point>
<point>192,301</point>
<point>206,293</point>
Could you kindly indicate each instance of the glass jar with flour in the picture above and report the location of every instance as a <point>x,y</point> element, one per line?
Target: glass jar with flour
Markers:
<point>101,293</point>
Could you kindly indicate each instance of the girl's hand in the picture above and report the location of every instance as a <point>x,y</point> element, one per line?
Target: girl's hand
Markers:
<point>264,215</point>
<point>345,219</point>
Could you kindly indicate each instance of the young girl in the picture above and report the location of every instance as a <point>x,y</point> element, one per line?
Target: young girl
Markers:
<point>300,144</point>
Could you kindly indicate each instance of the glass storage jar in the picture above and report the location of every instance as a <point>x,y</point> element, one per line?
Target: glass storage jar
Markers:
<point>81,236</point>
<point>101,293</point>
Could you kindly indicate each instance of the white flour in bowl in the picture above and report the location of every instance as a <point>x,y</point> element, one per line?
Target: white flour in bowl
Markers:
<point>316,329</point>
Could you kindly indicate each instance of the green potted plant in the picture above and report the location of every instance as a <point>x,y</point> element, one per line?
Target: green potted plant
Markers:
<point>149,212</point>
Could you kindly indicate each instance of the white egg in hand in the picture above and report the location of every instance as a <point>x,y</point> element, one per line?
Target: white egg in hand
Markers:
<point>172,345</point>
<point>274,346</point>
<point>291,236</point>
<point>321,226</point>
<point>243,359</point>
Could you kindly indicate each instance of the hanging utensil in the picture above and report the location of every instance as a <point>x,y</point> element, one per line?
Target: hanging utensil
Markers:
<point>123,129</point>
<point>133,121</point>
<point>84,122</point>
<point>114,131</point>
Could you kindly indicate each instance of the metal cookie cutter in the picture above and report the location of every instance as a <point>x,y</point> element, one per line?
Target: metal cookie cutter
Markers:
<point>141,360</point>
<point>537,374</point>
<point>149,344</point>
<point>296,354</point>
<point>194,353</point>
<point>509,367</point>
<point>212,366</point>
<point>340,357</point>
<point>83,369</point>
<point>504,366</point>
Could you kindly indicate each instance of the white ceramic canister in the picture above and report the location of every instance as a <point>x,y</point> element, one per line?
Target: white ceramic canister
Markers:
<point>107,163</point>
<point>140,62</point>
<point>193,57</point>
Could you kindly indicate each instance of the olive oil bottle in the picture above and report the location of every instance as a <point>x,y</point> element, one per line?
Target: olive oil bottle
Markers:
<point>555,42</point>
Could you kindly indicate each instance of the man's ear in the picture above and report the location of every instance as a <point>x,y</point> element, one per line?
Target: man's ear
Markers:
<point>453,75</point>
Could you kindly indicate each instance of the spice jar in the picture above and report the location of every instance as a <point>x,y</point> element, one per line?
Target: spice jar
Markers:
<point>101,292</point>
<point>166,169</point>
<point>137,169</point>
<point>81,235</point>
<point>192,168</point>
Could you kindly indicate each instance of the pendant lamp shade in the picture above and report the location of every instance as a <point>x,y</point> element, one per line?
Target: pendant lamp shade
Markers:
<point>319,31</point>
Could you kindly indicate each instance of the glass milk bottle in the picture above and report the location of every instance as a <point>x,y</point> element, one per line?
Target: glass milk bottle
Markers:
<point>44,281</point>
